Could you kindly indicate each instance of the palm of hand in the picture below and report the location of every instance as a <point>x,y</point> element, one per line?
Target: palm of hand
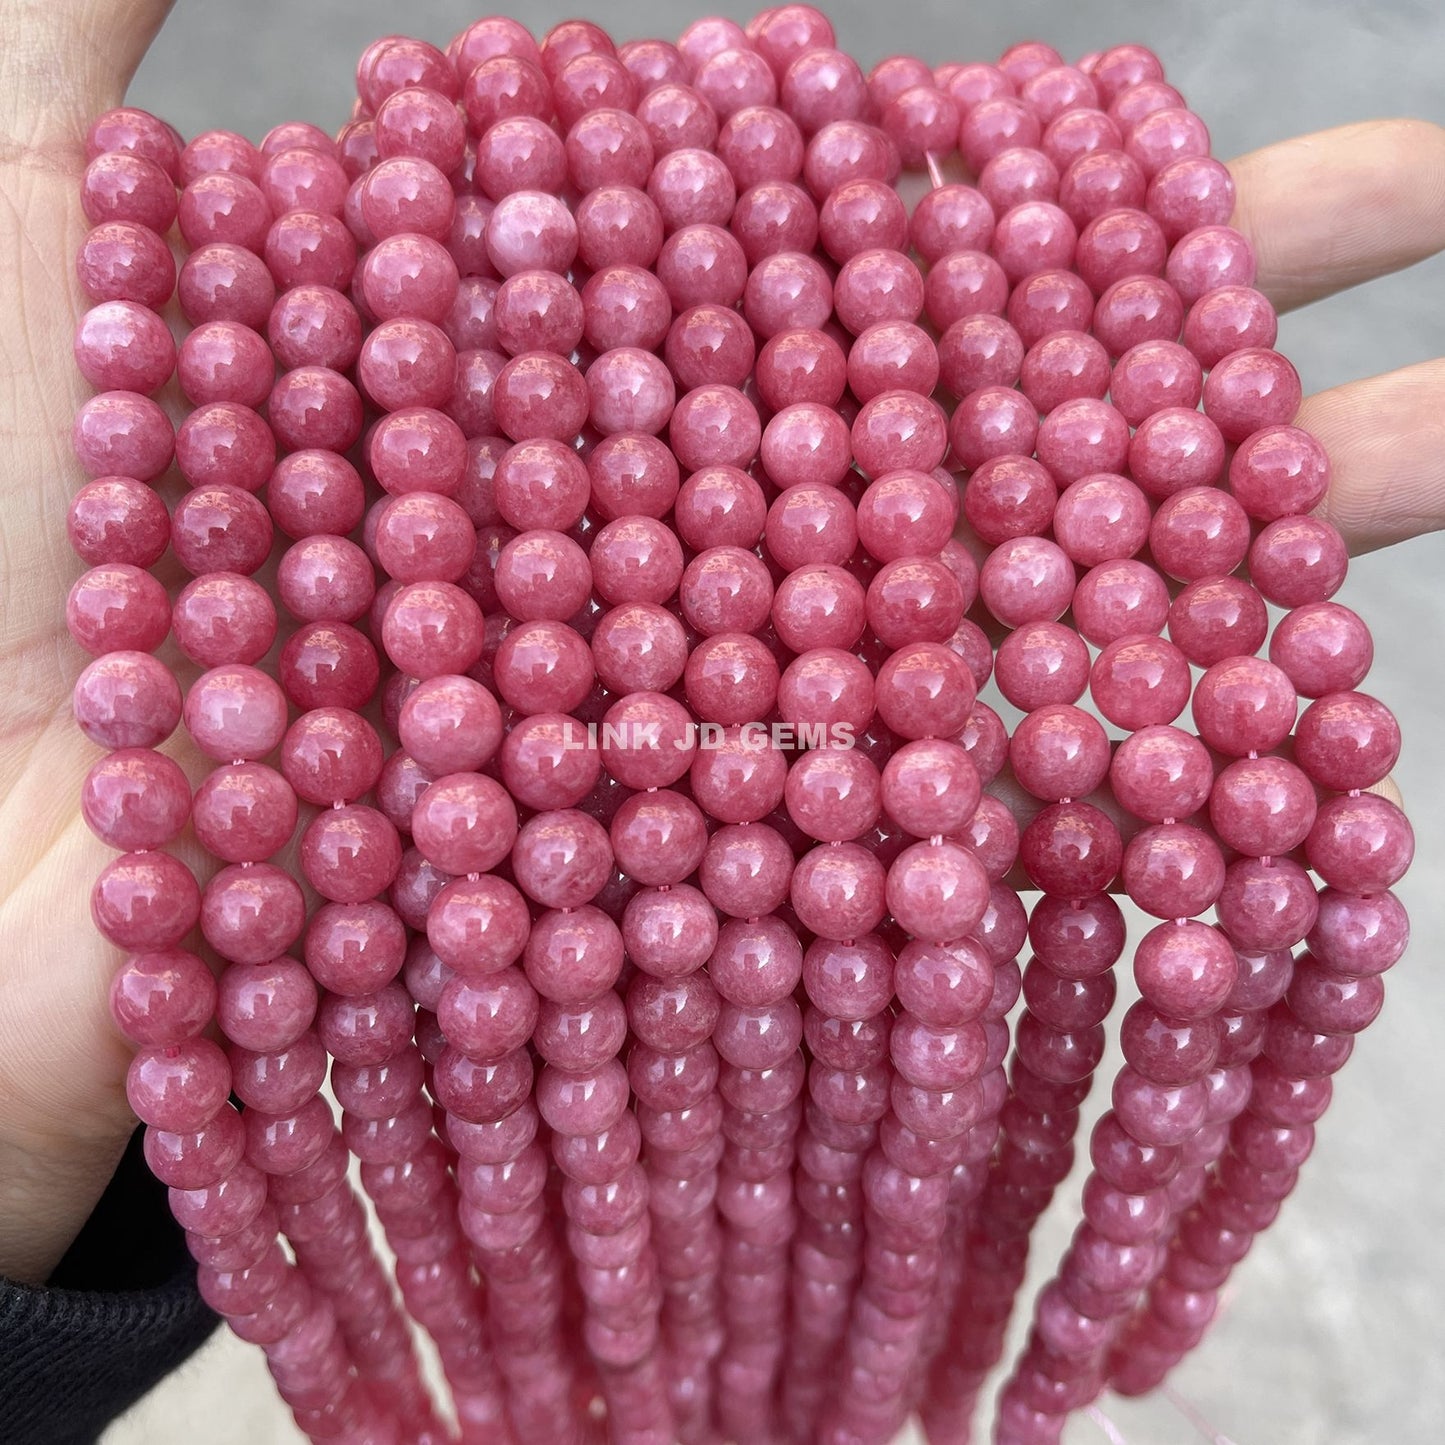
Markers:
<point>62,1065</point>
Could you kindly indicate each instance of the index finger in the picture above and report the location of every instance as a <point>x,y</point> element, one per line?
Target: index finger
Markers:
<point>1330,210</point>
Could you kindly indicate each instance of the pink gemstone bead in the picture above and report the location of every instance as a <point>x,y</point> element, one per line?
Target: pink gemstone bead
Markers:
<point>145,901</point>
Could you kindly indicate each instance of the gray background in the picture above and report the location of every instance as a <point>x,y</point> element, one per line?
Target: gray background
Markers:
<point>1330,1336</point>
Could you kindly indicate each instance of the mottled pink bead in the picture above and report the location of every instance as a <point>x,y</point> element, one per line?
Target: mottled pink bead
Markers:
<point>1243,705</point>
<point>924,690</point>
<point>162,997</point>
<point>1082,436</point>
<point>350,854</point>
<point>135,798</point>
<point>1042,662</point>
<point>244,812</point>
<point>118,520</point>
<point>1119,598</point>
<point>1185,970</point>
<point>1359,936</point>
<point>1251,389</point>
<point>937,891</point>
<point>1297,560</point>
<point>314,407</point>
<point>121,433</point>
<point>1026,579</point>
<point>117,608</point>
<point>1347,740</point>
<point>1229,319</point>
<point>1140,682</point>
<point>1059,751</point>
<point>1360,841</point>
<point>144,901</point>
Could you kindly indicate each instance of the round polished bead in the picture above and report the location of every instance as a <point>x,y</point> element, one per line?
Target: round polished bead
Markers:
<point>1140,682</point>
<point>354,948</point>
<point>122,261</point>
<point>1059,751</point>
<point>1099,518</point>
<point>1267,903</point>
<point>162,997</point>
<point>1009,496</point>
<point>350,854</point>
<point>1262,806</point>
<point>1347,740</point>
<point>702,264</point>
<point>329,665</point>
<point>561,859</point>
<point>827,687</point>
<point>465,823</point>
<point>117,608</point>
<point>1080,437</point>
<point>1297,560</point>
<point>1209,258</point>
<point>1185,970</point>
<point>622,306</point>
<point>914,599</point>
<point>1026,579</point>
<point>1244,705</point>
<point>1078,937</point>
<point>1173,871</point>
<point>1040,663</point>
<point>1118,599</point>
<point>833,795</point>
<point>1250,389</point>
<point>118,520</point>
<point>225,444</point>
<point>314,407</point>
<point>478,926</point>
<point>1358,935</point>
<point>244,812</point>
<point>135,799</point>
<point>432,628</point>
<point>1229,319</point>
<point>235,712</point>
<point>1217,618</point>
<point>924,690</point>
<point>992,422</point>
<point>1072,850</point>
<point>121,433</point>
<point>144,901</point>
<point>1360,841</point>
<point>899,430</point>
<point>252,912</point>
<point>1047,302</point>
<point>1322,648</point>
<point>904,514</point>
<point>937,891</point>
<point>963,284</point>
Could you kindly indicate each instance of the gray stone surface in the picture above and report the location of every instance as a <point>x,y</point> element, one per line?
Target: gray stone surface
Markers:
<point>1330,1335</point>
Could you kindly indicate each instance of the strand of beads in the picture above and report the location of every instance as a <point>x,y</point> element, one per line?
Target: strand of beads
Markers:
<point>423,540</point>
<point>243,813</point>
<point>331,756</point>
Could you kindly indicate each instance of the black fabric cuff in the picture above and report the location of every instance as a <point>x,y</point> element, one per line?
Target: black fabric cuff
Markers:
<point>120,1312</point>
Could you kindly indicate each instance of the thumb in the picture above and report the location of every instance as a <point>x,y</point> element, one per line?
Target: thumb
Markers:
<point>63,61</point>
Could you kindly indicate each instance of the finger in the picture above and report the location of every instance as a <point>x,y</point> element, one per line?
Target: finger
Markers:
<point>1386,441</point>
<point>63,61</point>
<point>1329,210</point>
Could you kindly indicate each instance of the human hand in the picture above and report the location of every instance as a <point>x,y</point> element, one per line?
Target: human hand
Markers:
<point>63,1114</point>
<point>1324,212</point>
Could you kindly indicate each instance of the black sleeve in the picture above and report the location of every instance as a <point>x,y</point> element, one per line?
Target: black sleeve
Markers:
<point>120,1311</point>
